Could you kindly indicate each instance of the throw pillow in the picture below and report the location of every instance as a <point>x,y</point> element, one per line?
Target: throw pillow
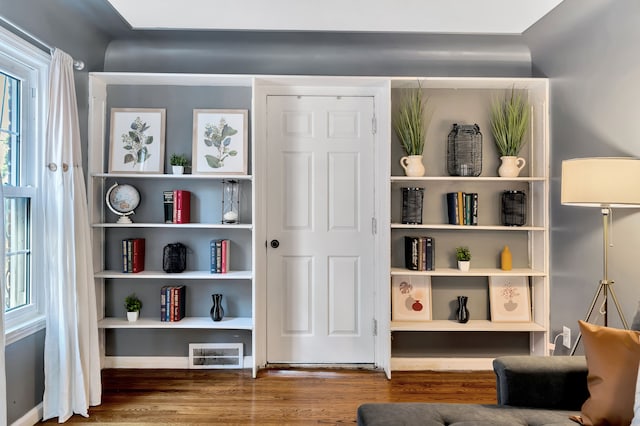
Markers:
<point>636,404</point>
<point>613,356</point>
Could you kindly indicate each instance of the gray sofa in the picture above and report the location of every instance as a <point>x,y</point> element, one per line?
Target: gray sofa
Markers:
<point>532,391</point>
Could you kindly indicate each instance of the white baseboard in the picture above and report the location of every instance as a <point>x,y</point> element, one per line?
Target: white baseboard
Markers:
<point>31,418</point>
<point>441,364</point>
<point>155,362</point>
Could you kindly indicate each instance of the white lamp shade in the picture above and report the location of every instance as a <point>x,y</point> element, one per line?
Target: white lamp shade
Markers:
<point>601,182</point>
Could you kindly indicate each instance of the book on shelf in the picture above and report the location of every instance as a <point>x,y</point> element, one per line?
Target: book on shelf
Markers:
<point>462,208</point>
<point>133,250</point>
<point>168,206</point>
<point>419,253</point>
<point>181,206</point>
<point>172,303</point>
<point>220,256</point>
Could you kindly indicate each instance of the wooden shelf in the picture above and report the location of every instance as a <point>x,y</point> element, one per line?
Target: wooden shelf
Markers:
<point>169,176</point>
<point>227,323</point>
<point>468,227</point>
<point>187,275</point>
<point>473,272</point>
<point>247,226</point>
<point>466,179</point>
<point>472,325</point>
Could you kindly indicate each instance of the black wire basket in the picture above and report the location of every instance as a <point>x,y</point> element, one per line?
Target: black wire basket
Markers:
<point>464,150</point>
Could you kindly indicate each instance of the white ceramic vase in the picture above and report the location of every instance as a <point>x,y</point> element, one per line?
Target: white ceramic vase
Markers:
<point>464,265</point>
<point>132,316</point>
<point>412,165</point>
<point>177,170</point>
<point>511,166</point>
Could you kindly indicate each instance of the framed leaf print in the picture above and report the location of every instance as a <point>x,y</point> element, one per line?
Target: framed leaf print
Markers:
<point>220,138</point>
<point>410,298</point>
<point>509,299</point>
<point>136,143</point>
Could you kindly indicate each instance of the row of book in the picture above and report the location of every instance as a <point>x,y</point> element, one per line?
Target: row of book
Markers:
<point>172,303</point>
<point>220,256</point>
<point>419,253</point>
<point>133,255</point>
<point>177,206</point>
<point>462,208</point>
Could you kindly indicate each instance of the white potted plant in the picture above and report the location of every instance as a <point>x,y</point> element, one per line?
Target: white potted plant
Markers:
<point>178,163</point>
<point>133,305</point>
<point>509,121</point>
<point>463,255</point>
<point>410,124</point>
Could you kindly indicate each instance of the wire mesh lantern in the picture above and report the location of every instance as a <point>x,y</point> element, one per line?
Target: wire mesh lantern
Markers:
<point>230,201</point>
<point>412,205</point>
<point>464,150</point>
<point>514,208</point>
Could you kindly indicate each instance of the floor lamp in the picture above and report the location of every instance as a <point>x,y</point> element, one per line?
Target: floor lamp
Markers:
<point>605,183</point>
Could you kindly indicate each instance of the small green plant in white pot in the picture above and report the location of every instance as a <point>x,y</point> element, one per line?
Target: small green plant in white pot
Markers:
<point>133,305</point>
<point>178,163</point>
<point>463,255</point>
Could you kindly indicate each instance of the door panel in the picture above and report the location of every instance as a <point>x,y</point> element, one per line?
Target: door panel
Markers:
<point>321,198</point>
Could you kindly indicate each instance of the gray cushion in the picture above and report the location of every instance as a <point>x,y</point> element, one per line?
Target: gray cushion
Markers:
<point>558,383</point>
<point>439,414</point>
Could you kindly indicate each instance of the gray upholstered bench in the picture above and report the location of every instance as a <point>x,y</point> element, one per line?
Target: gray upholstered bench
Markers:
<point>532,391</point>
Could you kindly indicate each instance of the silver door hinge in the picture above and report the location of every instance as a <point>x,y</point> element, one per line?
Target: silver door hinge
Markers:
<point>374,226</point>
<point>375,327</point>
<point>374,125</point>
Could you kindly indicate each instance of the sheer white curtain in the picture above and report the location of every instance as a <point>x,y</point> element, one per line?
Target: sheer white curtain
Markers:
<point>3,377</point>
<point>71,356</point>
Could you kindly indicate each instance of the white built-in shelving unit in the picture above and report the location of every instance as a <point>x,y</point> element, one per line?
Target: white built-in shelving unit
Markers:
<point>440,343</point>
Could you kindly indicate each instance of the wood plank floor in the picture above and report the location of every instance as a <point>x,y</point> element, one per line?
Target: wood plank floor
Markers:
<point>276,397</point>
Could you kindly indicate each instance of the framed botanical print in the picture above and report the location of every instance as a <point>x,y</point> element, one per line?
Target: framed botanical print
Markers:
<point>136,143</point>
<point>220,141</point>
<point>509,299</point>
<point>410,298</point>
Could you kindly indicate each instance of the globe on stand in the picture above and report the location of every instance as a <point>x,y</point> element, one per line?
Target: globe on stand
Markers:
<point>122,200</point>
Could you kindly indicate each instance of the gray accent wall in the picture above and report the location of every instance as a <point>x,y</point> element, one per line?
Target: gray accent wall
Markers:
<point>588,49</point>
<point>316,53</point>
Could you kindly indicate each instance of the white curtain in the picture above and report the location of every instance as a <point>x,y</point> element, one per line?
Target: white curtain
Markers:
<point>3,377</point>
<point>71,355</point>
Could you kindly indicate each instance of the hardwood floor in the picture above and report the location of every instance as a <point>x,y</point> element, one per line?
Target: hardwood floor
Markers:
<point>276,397</point>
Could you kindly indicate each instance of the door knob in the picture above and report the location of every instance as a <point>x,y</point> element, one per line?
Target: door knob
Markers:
<point>275,243</point>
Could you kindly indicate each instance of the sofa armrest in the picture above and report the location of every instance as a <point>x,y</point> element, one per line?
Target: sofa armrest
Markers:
<point>558,382</point>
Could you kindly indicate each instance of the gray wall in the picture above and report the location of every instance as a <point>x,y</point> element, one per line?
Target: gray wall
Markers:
<point>68,30</point>
<point>315,53</point>
<point>588,50</point>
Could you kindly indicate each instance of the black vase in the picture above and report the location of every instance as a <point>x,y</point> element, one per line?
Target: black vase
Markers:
<point>216,312</point>
<point>462,315</point>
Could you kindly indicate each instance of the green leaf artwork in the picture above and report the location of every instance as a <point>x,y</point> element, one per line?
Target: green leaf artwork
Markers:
<point>135,142</point>
<point>219,137</point>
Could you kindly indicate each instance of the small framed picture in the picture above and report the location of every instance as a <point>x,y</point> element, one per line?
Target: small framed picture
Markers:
<point>136,143</point>
<point>410,298</point>
<point>220,139</point>
<point>509,299</point>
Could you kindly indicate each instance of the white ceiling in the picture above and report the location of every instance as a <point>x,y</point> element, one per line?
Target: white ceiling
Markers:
<point>422,16</point>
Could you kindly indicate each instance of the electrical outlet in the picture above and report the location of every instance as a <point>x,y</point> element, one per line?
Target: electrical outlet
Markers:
<point>566,337</point>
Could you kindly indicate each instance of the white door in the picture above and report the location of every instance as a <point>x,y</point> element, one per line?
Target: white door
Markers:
<point>320,210</point>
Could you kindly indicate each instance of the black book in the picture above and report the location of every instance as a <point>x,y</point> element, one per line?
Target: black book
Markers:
<point>411,253</point>
<point>453,208</point>
<point>168,206</point>
<point>431,253</point>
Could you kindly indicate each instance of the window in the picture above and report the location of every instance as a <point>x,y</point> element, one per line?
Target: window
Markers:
<point>23,79</point>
